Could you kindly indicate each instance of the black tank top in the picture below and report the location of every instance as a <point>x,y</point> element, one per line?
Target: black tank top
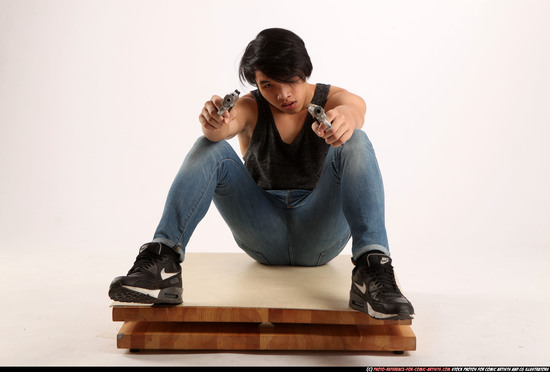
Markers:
<point>276,165</point>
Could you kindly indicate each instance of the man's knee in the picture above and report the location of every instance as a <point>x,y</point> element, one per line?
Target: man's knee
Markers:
<point>203,148</point>
<point>359,144</point>
<point>203,143</point>
<point>359,138</point>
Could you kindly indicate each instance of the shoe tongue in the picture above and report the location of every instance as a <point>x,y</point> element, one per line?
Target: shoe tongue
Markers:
<point>144,260</point>
<point>151,247</point>
<point>378,259</point>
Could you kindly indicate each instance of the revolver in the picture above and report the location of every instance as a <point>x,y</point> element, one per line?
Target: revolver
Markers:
<point>318,114</point>
<point>228,101</point>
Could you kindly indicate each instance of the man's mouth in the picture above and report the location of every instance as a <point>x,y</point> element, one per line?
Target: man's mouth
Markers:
<point>288,105</point>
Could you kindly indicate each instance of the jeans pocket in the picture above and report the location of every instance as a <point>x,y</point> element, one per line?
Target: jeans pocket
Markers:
<point>331,253</point>
<point>257,256</point>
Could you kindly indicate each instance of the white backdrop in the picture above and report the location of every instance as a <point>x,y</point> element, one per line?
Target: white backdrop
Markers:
<point>99,103</point>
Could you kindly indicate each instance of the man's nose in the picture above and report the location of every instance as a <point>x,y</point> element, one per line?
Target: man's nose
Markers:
<point>283,93</point>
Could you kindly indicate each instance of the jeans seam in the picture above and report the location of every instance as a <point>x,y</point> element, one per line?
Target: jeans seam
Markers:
<point>335,168</point>
<point>195,206</point>
<point>289,236</point>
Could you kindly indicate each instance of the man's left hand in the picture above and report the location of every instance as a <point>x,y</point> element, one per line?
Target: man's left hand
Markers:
<point>341,130</point>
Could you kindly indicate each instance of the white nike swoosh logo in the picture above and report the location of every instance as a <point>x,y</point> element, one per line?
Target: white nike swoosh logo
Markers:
<point>362,288</point>
<point>164,275</point>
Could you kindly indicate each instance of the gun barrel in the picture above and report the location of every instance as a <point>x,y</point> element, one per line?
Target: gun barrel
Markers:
<point>229,101</point>
<point>318,114</point>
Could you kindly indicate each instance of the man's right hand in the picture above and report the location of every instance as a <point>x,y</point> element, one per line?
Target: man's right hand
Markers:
<point>209,118</point>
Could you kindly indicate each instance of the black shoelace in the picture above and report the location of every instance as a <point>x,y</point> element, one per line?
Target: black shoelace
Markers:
<point>144,261</point>
<point>384,276</point>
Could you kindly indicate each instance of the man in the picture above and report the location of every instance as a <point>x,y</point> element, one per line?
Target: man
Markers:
<point>300,195</point>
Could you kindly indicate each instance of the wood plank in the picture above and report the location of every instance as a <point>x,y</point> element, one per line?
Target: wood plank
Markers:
<point>244,314</point>
<point>251,336</point>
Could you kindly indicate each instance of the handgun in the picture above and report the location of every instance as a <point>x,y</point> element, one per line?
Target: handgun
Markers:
<point>318,114</point>
<point>228,101</point>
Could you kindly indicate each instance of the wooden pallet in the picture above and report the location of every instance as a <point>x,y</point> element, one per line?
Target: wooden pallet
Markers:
<point>234,303</point>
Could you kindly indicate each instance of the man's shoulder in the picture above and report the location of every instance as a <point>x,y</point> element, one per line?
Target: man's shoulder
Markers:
<point>335,89</point>
<point>248,101</point>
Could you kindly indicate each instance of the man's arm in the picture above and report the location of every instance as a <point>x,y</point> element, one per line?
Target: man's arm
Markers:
<point>231,123</point>
<point>346,112</point>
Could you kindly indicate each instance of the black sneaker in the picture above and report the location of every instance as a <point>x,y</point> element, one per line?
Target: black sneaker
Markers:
<point>374,290</point>
<point>155,278</point>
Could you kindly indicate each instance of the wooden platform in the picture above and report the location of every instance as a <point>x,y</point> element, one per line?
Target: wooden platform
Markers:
<point>233,303</point>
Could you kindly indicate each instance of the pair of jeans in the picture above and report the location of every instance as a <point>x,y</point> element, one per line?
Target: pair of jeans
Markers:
<point>281,227</point>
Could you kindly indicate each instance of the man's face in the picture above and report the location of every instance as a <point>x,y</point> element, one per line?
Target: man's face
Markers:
<point>290,97</point>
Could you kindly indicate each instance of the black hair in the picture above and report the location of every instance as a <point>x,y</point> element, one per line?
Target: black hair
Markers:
<point>278,53</point>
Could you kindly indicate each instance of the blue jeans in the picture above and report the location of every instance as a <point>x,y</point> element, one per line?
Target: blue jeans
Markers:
<point>281,227</point>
